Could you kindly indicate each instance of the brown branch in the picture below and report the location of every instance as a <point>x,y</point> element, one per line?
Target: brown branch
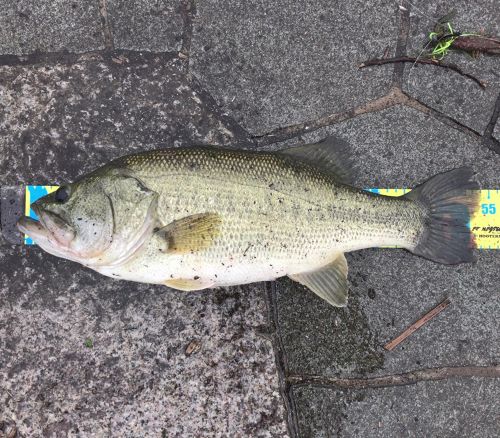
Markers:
<point>421,61</point>
<point>477,43</point>
<point>417,324</point>
<point>394,97</point>
<point>409,378</point>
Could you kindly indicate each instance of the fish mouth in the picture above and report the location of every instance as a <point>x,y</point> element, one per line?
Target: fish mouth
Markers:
<point>51,228</point>
<point>32,228</point>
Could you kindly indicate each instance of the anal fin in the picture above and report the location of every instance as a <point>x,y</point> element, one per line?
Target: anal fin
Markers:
<point>329,282</point>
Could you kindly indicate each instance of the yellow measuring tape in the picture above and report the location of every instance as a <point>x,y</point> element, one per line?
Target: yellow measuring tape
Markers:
<point>484,224</point>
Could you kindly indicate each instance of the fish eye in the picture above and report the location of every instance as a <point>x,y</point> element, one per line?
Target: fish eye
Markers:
<point>62,194</point>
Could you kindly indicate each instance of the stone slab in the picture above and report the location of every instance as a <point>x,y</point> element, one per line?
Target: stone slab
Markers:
<point>27,26</point>
<point>11,209</point>
<point>61,121</point>
<point>446,409</point>
<point>271,64</point>
<point>392,288</point>
<point>151,25</point>
<point>83,355</point>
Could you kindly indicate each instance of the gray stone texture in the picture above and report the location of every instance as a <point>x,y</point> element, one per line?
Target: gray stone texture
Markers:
<point>152,25</point>
<point>271,64</point>
<point>49,26</point>
<point>391,288</point>
<point>450,409</point>
<point>11,209</point>
<point>496,131</point>
<point>60,121</point>
<point>442,89</point>
<point>83,355</point>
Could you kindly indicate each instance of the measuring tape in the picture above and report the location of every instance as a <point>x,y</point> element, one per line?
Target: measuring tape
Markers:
<point>484,223</point>
<point>31,195</point>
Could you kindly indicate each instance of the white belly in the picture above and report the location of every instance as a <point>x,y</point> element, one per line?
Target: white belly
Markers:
<point>154,267</point>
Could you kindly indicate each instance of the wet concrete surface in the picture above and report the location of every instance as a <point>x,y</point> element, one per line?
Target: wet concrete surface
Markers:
<point>83,355</point>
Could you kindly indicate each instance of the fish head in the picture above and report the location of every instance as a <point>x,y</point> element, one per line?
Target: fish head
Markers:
<point>97,221</point>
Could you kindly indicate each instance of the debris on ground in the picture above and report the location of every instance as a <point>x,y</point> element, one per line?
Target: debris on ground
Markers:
<point>417,324</point>
<point>445,38</point>
<point>8,429</point>
<point>441,41</point>
<point>193,347</point>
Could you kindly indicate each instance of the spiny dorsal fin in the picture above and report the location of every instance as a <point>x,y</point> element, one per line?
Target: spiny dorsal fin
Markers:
<point>188,284</point>
<point>328,282</point>
<point>191,233</point>
<point>331,154</point>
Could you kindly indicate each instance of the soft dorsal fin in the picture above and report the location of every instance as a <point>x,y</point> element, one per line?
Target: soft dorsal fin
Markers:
<point>331,154</point>
<point>328,282</point>
<point>191,233</point>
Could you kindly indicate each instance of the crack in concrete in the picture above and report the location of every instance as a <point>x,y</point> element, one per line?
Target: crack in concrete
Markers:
<point>402,41</point>
<point>443,118</point>
<point>106,28</point>
<point>281,362</point>
<point>69,58</point>
<point>240,134</point>
<point>394,97</point>
<point>488,132</point>
<point>409,378</point>
<point>492,143</point>
<point>488,139</point>
<point>188,11</point>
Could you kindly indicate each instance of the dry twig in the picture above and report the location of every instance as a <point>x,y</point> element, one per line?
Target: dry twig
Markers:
<point>421,61</point>
<point>416,325</point>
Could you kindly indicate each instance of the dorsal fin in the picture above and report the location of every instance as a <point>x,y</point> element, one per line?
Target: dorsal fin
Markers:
<point>331,154</point>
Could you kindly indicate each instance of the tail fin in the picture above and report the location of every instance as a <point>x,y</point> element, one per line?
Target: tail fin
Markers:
<point>449,199</point>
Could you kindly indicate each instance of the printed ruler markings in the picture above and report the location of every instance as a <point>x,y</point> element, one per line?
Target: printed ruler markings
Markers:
<point>485,223</point>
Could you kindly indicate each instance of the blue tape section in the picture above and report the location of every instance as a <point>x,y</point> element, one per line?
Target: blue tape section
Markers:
<point>35,193</point>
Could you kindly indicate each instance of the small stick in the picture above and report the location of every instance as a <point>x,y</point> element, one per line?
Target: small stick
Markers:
<point>421,61</point>
<point>416,325</point>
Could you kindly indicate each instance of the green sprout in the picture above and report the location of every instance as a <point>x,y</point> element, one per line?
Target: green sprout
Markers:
<point>88,343</point>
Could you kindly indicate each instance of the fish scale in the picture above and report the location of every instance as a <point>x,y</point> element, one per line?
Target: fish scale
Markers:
<point>485,223</point>
<point>203,217</point>
<point>266,190</point>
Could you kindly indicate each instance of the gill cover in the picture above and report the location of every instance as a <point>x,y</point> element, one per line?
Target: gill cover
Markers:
<point>133,216</point>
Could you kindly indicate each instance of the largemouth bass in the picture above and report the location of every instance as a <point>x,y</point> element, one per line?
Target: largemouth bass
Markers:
<point>204,217</point>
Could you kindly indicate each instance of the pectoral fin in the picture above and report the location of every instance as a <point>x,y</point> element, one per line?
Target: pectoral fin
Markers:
<point>328,282</point>
<point>191,233</point>
<point>188,284</point>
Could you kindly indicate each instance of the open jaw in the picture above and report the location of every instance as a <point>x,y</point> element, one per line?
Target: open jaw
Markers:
<point>32,228</point>
<point>44,233</point>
